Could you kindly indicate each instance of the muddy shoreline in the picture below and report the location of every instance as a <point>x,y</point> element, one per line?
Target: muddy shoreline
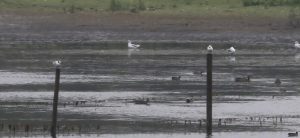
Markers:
<point>51,28</point>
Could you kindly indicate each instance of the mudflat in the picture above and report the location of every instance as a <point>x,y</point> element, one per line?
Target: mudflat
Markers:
<point>23,26</point>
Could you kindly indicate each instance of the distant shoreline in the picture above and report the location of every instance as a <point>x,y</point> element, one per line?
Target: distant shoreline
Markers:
<point>49,28</point>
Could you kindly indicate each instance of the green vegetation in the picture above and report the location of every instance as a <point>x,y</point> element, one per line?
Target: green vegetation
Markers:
<point>270,2</point>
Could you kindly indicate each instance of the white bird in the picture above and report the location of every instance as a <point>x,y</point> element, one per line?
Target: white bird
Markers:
<point>210,48</point>
<point>231,50</point>
<point>297,45</point>
<point>131,45</point>
<point>56,63</point>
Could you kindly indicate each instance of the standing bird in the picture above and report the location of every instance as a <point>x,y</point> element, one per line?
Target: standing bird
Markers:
<point>131,45</point>
<point>297,45</point>
<point>231,50</point>
<point>56,63</point>
<point>210,48</point>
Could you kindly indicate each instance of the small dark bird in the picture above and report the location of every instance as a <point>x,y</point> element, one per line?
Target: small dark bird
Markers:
<point>277,81</point>
<point>142,101</point>
<point>243,79</point>
<point>176,78</point>
<point>293,134</point>
<point>189,100</point>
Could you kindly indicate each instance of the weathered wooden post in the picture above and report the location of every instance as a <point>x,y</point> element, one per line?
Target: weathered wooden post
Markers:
<point>55,98</point>
<point>209,91</point>
<point>200,123</point>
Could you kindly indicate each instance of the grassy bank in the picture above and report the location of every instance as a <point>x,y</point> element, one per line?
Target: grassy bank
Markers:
<point>258,12</point>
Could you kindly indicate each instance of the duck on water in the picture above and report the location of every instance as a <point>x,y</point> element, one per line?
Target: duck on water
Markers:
<point>293,134</point>
<point>142,101</point>
<point>176,78</point>
<point>189,100</point>
<point>277,81</point>
<point>243,79</point>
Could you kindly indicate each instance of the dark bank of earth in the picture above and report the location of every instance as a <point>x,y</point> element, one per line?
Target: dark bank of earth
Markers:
<point>26,27</point>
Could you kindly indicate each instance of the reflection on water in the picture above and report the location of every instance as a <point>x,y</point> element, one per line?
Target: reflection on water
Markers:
<point>132,51</point>
<point>232,59</point>
<point>197,135</point>
<point>163,106</point>
<point>110,76</point>
<point>179,109</point>
<point>187,135</point>
<point>297,57</point>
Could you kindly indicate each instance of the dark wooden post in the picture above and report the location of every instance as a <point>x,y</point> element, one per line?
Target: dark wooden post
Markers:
<point>209,91</point>
<point>55,99</point>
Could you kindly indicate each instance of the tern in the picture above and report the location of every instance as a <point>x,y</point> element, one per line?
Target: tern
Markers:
<point>231,50</point>
<point>210,48</point>
<point>131,45</point>
<point>56,63</point>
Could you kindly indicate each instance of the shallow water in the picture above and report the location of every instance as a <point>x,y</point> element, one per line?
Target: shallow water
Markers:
<point>109,77</point>
<point>116,103</point>
<point>188,135</point>
<point>195,135</point>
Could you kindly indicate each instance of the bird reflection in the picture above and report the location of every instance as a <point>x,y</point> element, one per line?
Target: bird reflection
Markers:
<point>132,51</point>
<point>297,57</point>
<point>232,59</point>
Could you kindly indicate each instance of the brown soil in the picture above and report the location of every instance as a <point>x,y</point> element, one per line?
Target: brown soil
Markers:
<point>32,27</point>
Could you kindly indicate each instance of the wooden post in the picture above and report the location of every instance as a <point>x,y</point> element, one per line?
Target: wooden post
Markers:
<point>200,123</point>
<point>55,100</point>
<point>209,91</point>
<point>220,122</point>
